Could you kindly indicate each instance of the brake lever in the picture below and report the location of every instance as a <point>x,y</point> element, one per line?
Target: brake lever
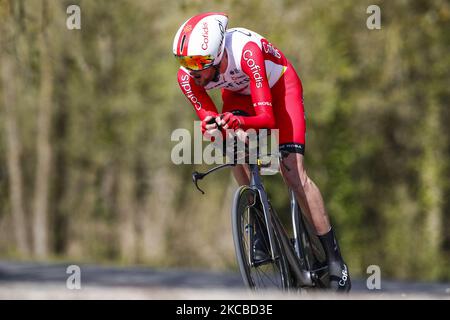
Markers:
<point>199,176</point>
<point>195,177</point>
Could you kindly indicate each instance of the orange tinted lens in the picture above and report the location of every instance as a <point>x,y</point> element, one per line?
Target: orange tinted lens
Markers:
<point>195,62</point>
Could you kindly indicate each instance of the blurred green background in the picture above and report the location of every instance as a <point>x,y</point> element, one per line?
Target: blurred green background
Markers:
<point>86,118</point>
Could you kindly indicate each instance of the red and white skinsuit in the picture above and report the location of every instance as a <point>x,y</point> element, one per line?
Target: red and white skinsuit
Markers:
<point>259,81</point>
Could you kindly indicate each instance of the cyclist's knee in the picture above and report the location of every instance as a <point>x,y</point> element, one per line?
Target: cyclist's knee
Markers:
<point>295,173</point>
<point>297,180</point>
<point>241,175</point>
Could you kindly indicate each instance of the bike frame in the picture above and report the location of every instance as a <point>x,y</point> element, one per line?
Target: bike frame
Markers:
<point>295,257</point>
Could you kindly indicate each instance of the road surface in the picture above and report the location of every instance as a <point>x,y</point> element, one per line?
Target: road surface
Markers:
<point>20,280</point>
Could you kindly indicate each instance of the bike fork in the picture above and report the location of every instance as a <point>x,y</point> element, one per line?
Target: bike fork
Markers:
<point>257,186</point>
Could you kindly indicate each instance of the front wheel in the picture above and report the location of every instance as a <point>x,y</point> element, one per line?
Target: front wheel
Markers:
<point>247,220</point>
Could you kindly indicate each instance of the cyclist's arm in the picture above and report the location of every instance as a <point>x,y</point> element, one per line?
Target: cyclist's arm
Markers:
<point>196,95</point>
<point>252,63</point>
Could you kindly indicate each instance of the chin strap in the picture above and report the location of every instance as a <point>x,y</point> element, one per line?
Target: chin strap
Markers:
<point>217,74</point>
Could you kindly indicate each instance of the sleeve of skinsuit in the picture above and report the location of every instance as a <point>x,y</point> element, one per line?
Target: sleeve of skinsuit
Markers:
<point>252,63</point>
<point>196,95</point>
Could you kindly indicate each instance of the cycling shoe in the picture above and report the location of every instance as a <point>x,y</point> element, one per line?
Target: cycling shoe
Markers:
<point>339,277</point>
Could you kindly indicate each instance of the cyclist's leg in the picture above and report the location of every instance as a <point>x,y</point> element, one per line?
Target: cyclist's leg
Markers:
<point>311,202</point>
<point>307,193</point>
<point>290,119</point>
<point>289,113</point>
<point>241,174</point>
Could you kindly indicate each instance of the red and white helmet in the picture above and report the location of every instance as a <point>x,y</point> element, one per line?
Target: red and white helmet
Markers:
<point>200,41</point>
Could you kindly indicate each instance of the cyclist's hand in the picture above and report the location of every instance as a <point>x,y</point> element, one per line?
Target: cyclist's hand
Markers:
<point>208,123</point>
<point>229,121</point>
<point>210,129</point>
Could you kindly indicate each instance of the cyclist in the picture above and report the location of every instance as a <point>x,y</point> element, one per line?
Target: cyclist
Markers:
<point>260,89</point>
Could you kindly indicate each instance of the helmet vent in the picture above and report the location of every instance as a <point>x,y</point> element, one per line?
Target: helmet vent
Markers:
<point>182,43</point>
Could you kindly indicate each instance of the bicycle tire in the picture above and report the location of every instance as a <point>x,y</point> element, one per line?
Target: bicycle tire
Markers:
<point>252,274</point>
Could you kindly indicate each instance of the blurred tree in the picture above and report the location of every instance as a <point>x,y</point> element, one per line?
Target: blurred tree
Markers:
<point>86,117</point>
<point>13,153</point>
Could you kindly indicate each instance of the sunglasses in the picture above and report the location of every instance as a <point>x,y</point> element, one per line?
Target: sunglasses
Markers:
<point>195,63</point>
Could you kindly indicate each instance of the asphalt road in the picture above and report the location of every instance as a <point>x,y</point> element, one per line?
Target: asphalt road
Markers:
<point>19,280</point>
